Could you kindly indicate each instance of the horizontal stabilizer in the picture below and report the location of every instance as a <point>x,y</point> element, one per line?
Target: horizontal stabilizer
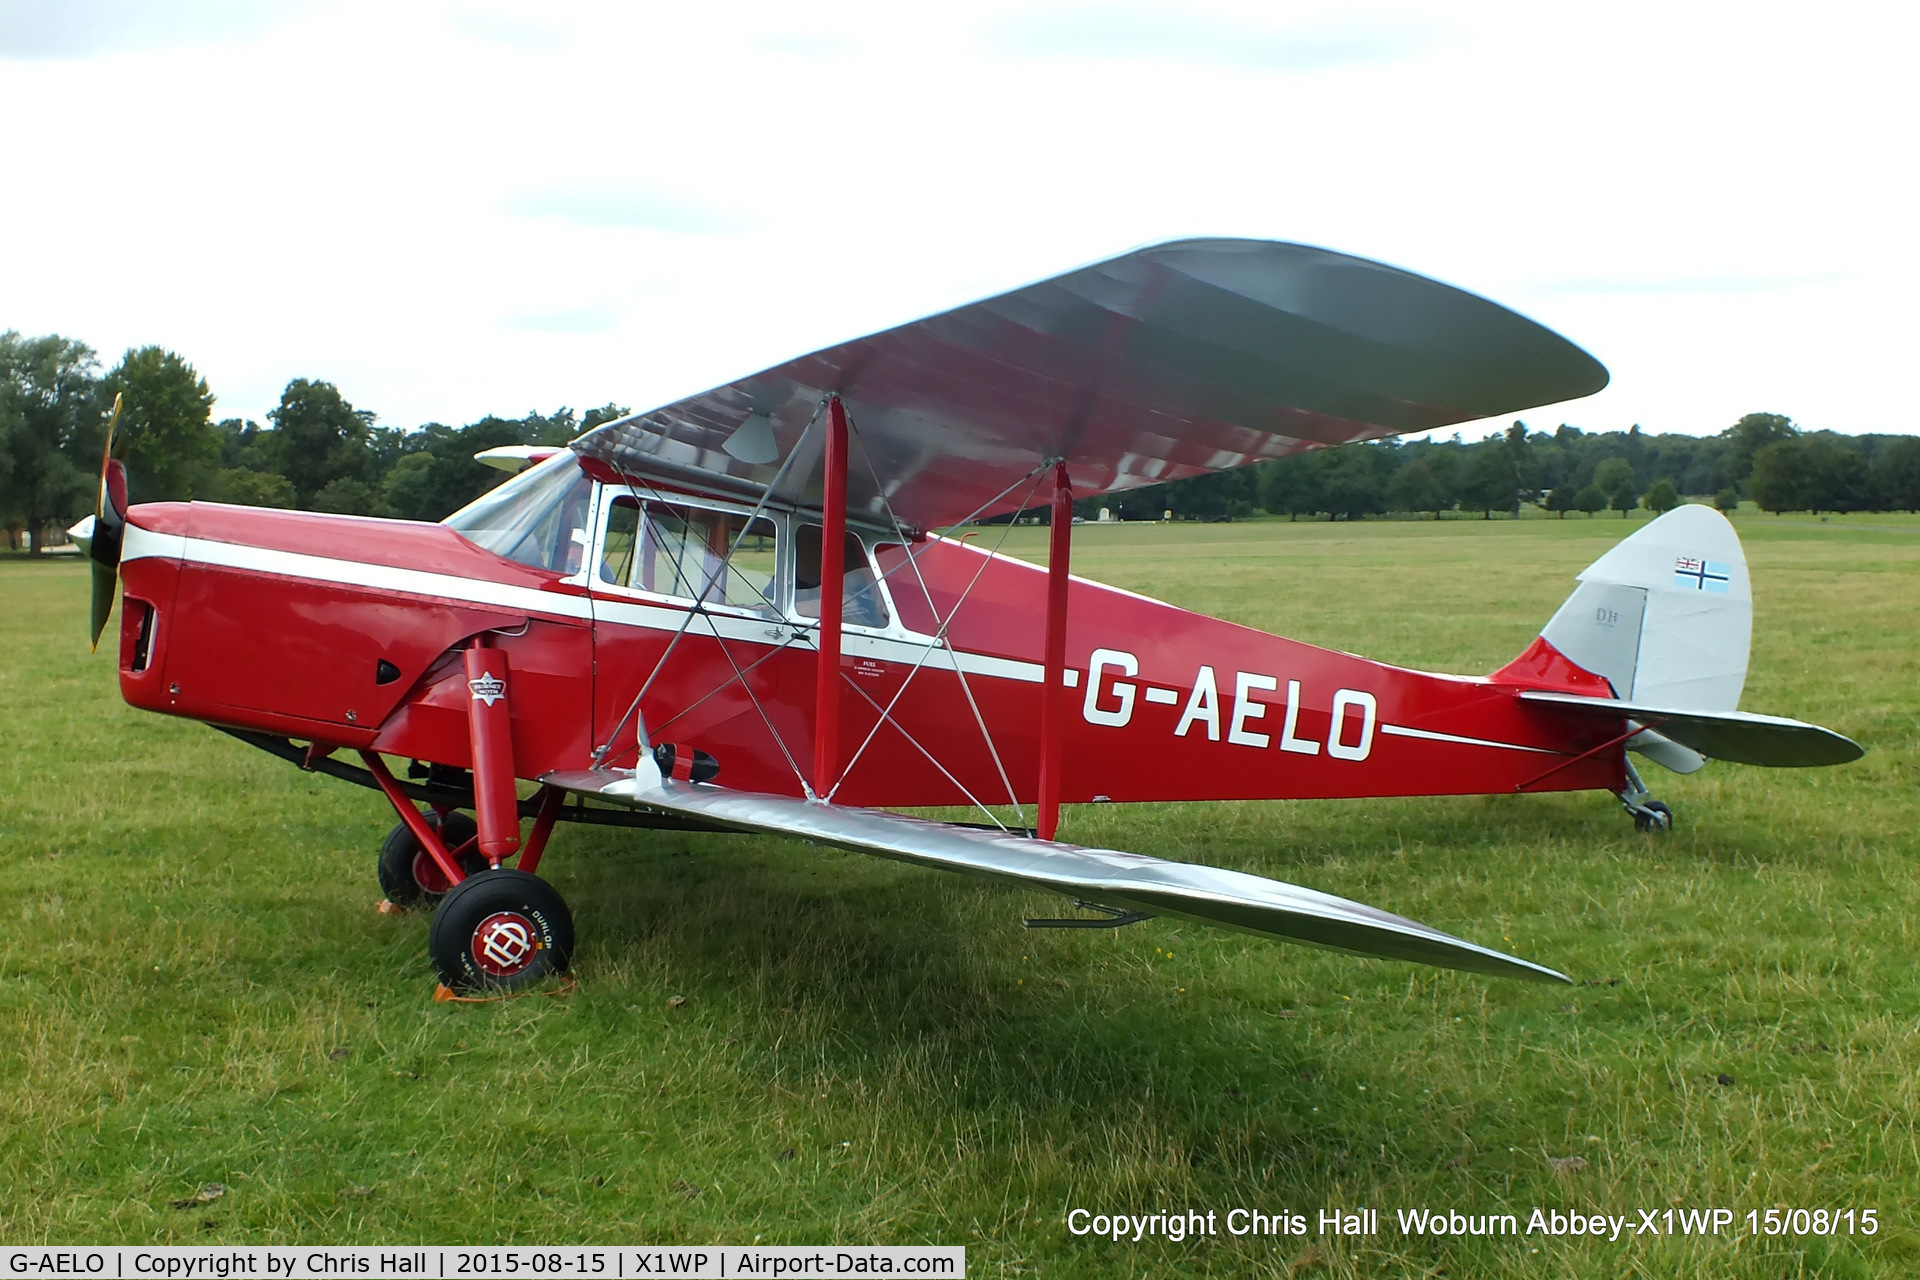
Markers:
<point>1737,736</point>
<point>1106,876</point>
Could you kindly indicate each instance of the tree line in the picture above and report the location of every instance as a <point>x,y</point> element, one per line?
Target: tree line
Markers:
<point>1763,456</point>
<point>318,452</point>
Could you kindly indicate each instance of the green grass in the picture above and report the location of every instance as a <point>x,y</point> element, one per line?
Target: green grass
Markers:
<point>194,985</point>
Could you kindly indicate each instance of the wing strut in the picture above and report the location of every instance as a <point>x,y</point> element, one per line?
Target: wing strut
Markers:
<point>1053,691</point>
<point>833,564</point>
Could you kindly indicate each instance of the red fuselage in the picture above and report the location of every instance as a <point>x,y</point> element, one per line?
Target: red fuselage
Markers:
<point>346,632</point>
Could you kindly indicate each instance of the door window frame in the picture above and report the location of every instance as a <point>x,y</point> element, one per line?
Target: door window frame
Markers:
<point>786,523</point>
<point>610,496</point>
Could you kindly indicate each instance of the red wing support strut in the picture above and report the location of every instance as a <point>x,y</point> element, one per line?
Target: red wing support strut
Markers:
<point>1053,691</point>
<point>833,537</point>
<point>550,801</point>
<point>496,807</point>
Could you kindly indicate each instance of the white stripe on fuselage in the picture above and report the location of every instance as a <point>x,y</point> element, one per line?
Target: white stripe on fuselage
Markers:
<point>145,544</point>
<point>1401,731</point>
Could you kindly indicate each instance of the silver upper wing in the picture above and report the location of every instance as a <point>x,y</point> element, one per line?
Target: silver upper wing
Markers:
<point>1107,876</point>
<point>1171,361</point>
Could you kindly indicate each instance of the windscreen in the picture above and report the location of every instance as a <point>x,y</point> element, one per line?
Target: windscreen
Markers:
<point>538,518</point>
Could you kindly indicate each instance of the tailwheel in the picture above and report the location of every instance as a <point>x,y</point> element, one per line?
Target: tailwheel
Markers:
<point>1648,814</point>
<point>1654,815</point>
<point>408,874</point>
<point>500,930</point>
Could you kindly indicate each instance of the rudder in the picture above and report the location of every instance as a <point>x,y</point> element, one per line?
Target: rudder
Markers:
<point>1666,620</point>
<point>1666,616</point>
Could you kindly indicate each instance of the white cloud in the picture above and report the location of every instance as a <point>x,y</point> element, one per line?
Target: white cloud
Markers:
<point>83,28</point>
<point>1277,41</point>
<point>586,319</point>
<point>460,209</point>
<point>604,203</point>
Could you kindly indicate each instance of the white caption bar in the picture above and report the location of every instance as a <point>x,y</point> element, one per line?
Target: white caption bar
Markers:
<point>686,1262</point>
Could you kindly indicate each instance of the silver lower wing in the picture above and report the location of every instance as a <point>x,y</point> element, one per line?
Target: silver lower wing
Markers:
<point>1107,876</point>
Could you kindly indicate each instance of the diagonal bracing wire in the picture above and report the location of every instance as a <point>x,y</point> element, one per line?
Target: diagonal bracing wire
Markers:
<point>765,719</point>
<point>932,759</point>
<point>700,610</point>
<point>633,709</point>
<point>942,640</point>
<point>913,556</point>
<point>913,561</point>
<point>720,688</point>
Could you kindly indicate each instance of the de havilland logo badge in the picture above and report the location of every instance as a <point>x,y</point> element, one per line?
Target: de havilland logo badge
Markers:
<point>489,688</point>
<point>504,943</point>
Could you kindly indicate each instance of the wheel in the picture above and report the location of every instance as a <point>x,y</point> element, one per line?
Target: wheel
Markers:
<point>500,931</point>
<point>1655,817</point>
<point>408,874</point>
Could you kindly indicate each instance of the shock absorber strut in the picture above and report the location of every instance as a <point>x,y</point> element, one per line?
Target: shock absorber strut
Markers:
<point>490,730</point>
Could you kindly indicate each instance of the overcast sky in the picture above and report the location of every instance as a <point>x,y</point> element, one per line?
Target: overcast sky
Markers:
<point>453,209</point>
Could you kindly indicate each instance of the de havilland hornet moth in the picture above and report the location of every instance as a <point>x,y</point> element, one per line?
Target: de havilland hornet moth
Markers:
<point>734,613</point>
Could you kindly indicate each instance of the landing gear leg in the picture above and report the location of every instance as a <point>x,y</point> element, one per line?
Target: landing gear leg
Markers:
<point>408,874</point>
<point>1648,814</point>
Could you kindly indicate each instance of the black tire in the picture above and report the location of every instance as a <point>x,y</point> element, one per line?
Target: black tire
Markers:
<point>1658,817</point>
<point>409,877</point>
<point>501,931</point>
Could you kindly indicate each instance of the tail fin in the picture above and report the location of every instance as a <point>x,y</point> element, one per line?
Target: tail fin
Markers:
<point>1666,616</point>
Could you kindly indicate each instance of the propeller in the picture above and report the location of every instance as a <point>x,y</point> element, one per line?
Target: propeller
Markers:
<point>101,534</point>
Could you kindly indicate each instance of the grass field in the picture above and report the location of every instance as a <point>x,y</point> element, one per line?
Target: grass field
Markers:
<point>195,987</point>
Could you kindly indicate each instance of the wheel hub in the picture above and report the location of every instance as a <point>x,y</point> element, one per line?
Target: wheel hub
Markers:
<point>505,943</point>
<point>428,875</point>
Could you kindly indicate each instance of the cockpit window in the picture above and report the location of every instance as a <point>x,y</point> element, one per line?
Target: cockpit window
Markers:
<point>860,600</point>
<point>678,550</point>
<point>538,518</point>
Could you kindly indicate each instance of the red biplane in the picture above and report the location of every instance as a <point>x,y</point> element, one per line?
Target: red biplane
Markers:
<point>734,613</point>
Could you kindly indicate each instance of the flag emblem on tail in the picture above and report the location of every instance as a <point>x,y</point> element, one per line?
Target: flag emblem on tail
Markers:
<point>1701,575</point>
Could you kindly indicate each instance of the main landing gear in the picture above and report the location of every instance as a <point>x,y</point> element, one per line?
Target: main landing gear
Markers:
<point>1648,814</point>
<point>501,930</point>
<point>495,928</point>
<point>408,874</point>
